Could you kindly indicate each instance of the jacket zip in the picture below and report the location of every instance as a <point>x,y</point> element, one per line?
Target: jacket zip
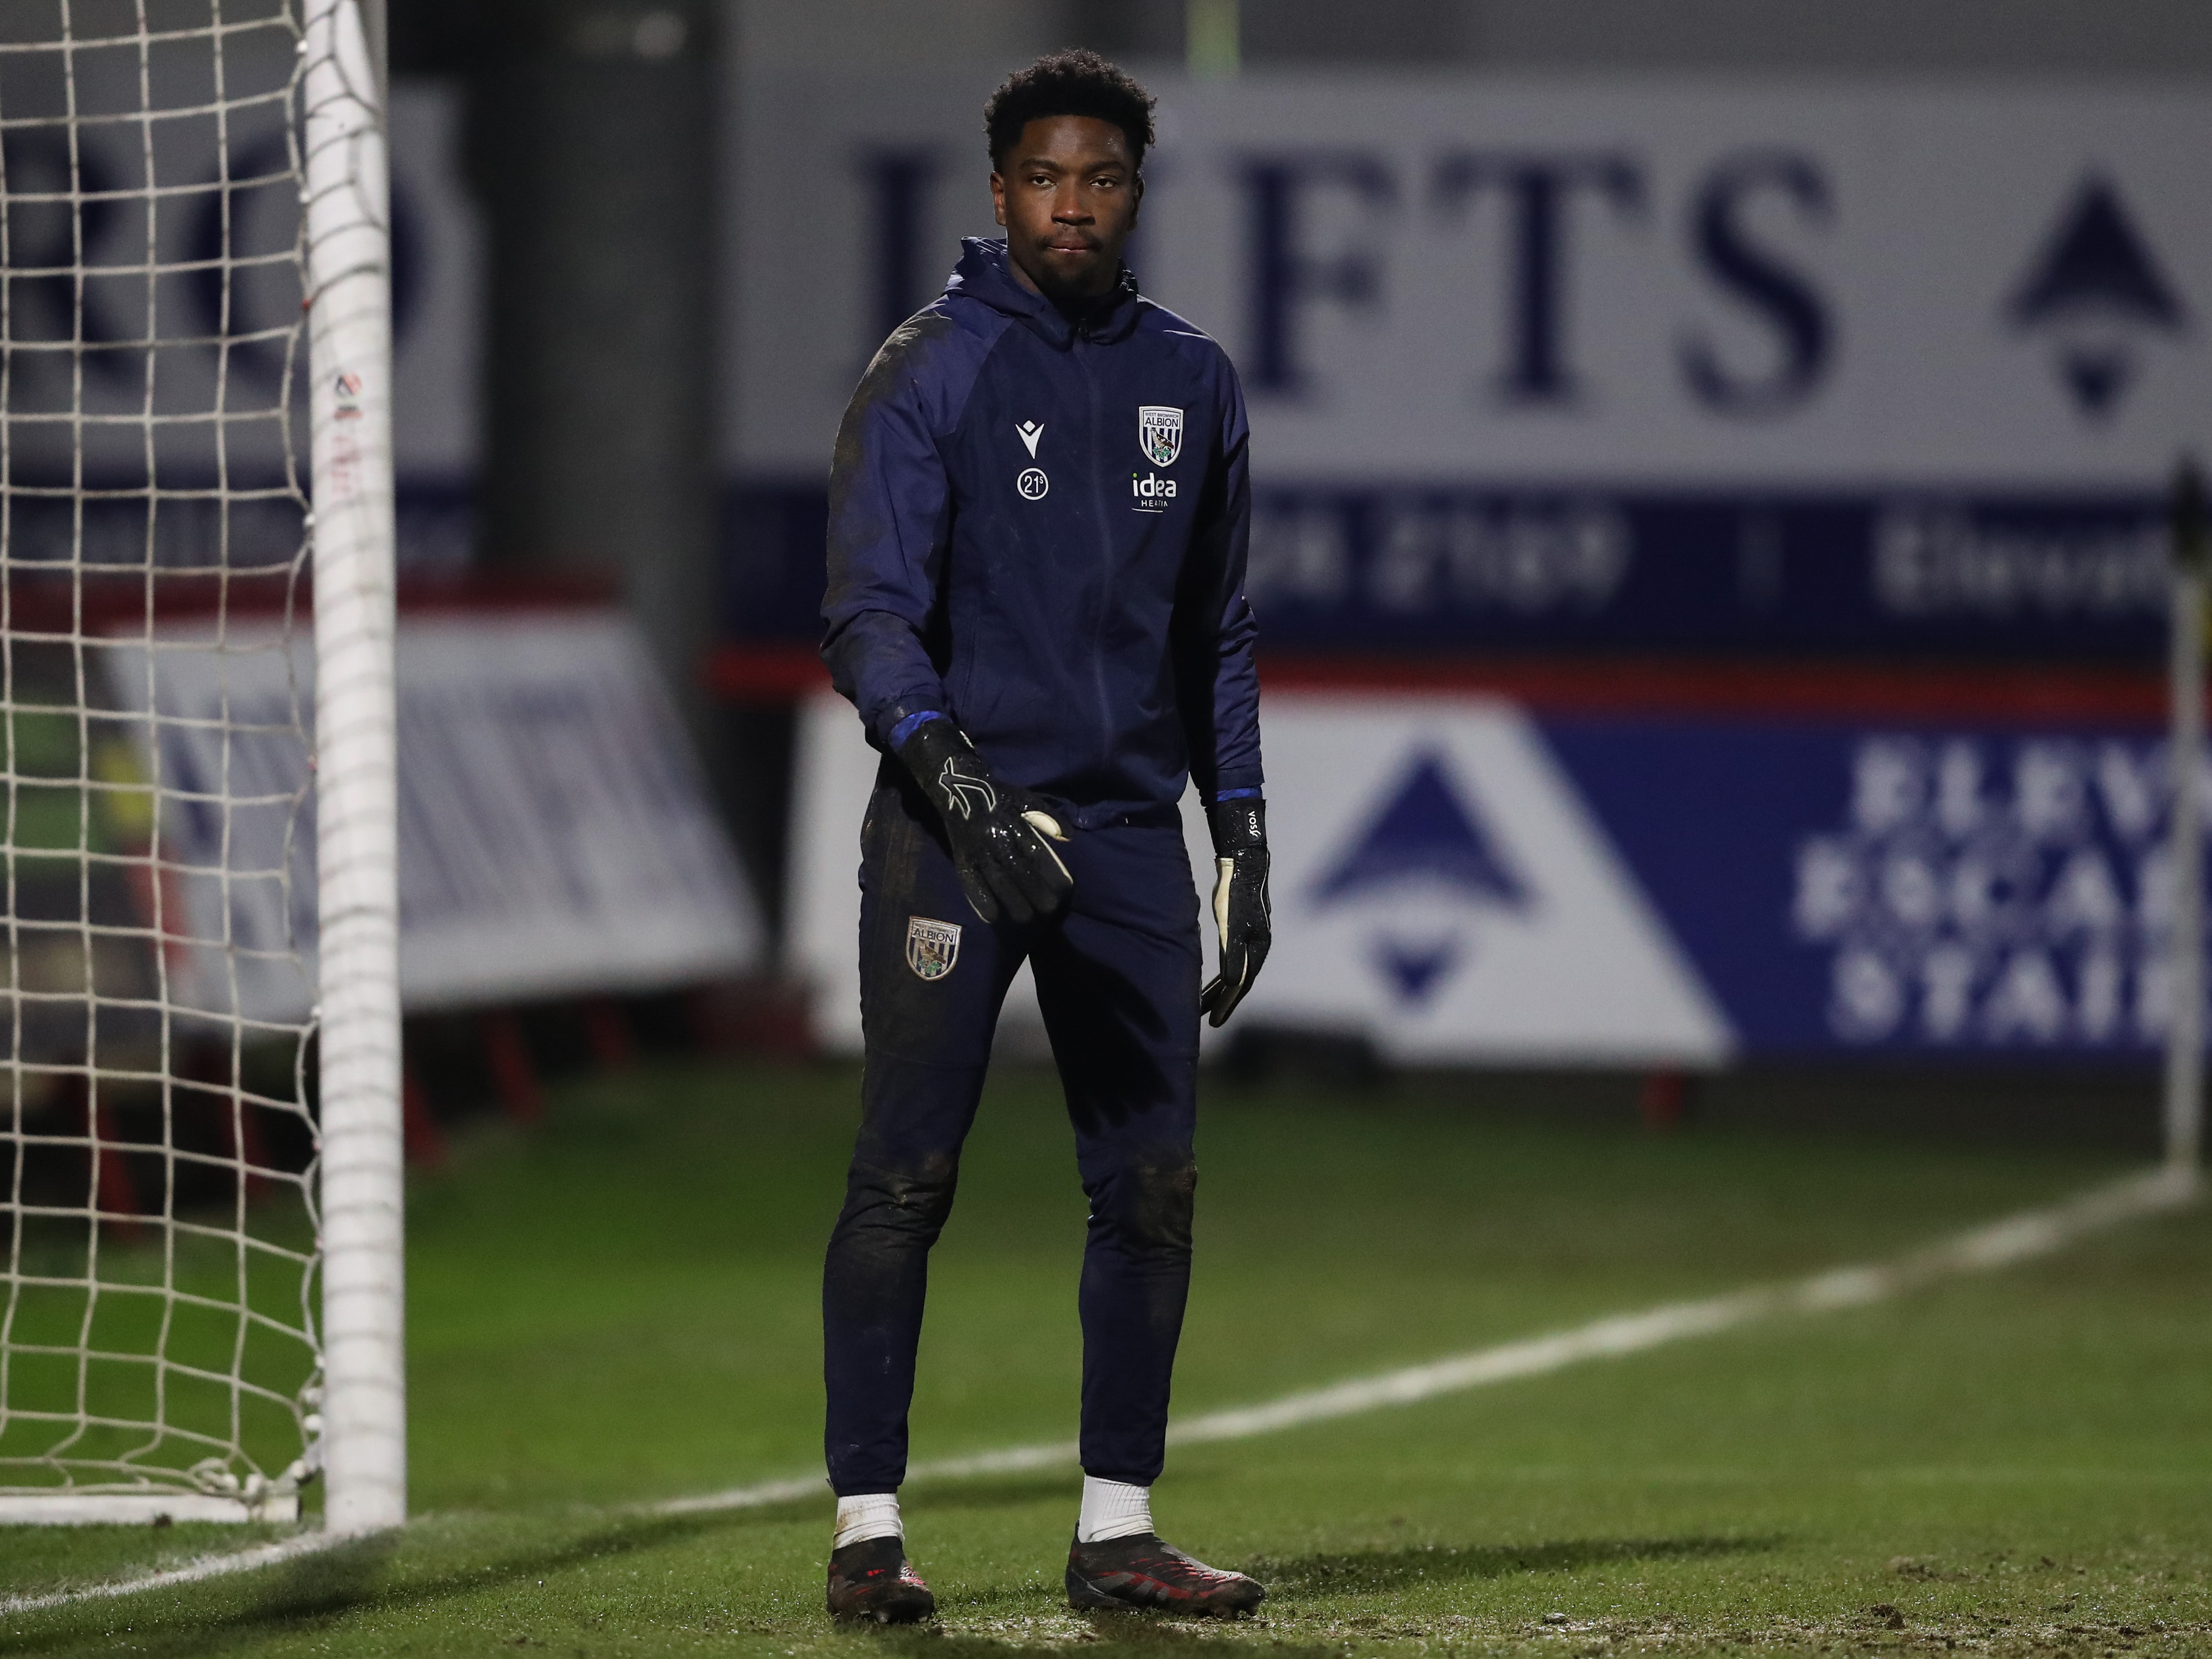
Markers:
<point>1105,556</point>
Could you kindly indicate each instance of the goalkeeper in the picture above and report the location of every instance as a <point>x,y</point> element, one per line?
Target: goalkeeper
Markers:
<point>1037,522</point>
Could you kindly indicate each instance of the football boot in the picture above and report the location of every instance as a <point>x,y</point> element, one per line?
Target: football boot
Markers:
<point>872,1579</point>
<point>1138,1571</point>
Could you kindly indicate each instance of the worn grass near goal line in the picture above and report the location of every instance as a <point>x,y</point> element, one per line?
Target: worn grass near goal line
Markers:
<point>621,1308</point>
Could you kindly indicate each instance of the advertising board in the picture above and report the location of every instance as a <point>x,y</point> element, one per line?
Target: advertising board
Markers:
<point>1919,889</point>
<point>1587,282</point>
<point>554,836</point>
<point>1464,882</point>
<point>1847,366</point>
<point>217,322</point>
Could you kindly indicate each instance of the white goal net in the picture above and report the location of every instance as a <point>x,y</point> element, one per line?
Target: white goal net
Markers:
<point>177,177</point>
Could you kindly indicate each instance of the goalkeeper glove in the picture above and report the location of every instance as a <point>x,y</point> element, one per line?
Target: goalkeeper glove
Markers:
<point>1240,902</point>
<point>1001,837</point>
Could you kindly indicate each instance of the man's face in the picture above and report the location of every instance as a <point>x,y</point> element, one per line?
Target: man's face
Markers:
<point>1067,196</point>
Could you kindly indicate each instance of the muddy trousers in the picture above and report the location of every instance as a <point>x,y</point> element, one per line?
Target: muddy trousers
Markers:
<point>1117,979</point>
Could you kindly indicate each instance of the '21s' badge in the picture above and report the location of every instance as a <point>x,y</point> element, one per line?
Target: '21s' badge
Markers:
<point>931,947</point>
<point>1159,433</point>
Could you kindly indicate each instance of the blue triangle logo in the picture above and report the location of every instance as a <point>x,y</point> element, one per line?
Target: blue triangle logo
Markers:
<point>1426,833</point>
<point>2096,286</point>
<point>1415,971</point>
<point>2097,263</point>
<point>2096,376</point>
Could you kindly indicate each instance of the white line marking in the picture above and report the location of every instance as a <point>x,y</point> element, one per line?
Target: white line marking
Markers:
<point>740,1498</point>
<point>193,1572</point>
<point>2001,1245</point>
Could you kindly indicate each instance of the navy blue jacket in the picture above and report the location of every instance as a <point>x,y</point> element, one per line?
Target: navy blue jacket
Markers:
<point>1038,527</point>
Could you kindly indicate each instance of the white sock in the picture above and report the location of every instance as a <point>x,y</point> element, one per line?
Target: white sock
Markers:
<point>1112,1509</point>
<point>870,1514</point>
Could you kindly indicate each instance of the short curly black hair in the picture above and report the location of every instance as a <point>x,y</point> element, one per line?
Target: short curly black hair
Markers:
<point>1071,83</point>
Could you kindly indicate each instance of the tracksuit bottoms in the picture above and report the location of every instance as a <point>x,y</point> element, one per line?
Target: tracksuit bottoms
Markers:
<point>1117,981</point>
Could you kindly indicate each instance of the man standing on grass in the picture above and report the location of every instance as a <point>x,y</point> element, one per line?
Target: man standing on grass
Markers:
<point>1037,522</point>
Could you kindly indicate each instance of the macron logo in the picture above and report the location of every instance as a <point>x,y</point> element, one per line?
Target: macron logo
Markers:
<point>1029,432</point>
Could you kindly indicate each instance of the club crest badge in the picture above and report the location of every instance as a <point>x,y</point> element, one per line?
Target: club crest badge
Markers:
<point>1159,433</point>
<point>931,947</point>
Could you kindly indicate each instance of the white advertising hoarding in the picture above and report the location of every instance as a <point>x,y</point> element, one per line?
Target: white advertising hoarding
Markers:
<point>229,187</point>
<point>1613,282</point>
<point>554,836</point>
<point>1438,884</point>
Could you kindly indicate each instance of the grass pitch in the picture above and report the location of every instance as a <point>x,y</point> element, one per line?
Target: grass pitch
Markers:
<point>622,1306</point>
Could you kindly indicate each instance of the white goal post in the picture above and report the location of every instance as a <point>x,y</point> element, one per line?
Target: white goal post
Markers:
<point>200,1139</point>
<point>348,260</point>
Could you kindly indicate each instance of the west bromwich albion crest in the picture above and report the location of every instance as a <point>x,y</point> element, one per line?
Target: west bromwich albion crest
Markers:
<point>1159,433</point>
<point>931,947</point>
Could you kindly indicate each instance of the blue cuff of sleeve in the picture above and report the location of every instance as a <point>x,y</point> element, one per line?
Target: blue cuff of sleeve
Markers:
<point>1221,795</point>
<point>914,722</point>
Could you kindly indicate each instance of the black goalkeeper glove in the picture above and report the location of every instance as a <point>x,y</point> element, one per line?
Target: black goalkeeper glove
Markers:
<point>1001,836</point>
<point>1240,902</point>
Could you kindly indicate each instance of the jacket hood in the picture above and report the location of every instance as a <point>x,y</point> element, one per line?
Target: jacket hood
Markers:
<point>985,273</point>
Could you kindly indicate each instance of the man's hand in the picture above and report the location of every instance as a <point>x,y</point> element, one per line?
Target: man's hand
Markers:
<point>1240,902</point>
<point>1001,837</point>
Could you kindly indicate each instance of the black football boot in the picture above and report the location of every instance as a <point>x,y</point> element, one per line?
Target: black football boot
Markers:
<point>872,1579</point>
<point>1141,1572</point>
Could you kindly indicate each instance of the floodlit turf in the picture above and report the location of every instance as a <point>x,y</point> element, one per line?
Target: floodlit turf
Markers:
<point>622,1306</point>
